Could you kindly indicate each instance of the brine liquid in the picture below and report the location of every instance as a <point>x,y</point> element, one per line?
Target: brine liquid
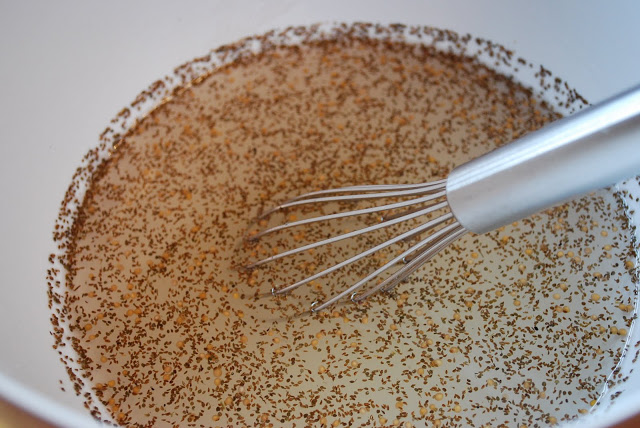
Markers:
<point>521,326</point>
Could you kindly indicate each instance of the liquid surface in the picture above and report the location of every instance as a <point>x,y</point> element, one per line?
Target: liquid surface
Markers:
<point>519,326</point>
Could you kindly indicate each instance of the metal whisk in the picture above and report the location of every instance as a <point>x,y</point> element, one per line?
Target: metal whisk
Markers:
<point>592,149</point>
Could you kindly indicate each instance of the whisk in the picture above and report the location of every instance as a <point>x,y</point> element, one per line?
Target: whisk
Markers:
<point>594,148</point>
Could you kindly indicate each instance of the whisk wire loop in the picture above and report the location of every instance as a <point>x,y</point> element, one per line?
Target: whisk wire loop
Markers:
<point>419,194</point>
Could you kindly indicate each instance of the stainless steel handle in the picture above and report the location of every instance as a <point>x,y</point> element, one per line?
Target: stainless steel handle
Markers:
<point>591,149</point>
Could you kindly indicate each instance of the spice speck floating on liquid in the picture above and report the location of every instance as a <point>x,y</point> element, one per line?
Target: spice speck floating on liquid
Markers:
<point>158,325</point>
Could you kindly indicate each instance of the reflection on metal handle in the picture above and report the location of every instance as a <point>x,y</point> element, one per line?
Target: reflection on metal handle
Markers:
<point>592,149</point>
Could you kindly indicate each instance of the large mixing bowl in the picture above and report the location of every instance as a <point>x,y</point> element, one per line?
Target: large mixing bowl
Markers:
<point>69,67</point>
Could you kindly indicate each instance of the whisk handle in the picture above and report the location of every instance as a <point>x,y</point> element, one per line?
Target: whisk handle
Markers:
<point>594,148</point>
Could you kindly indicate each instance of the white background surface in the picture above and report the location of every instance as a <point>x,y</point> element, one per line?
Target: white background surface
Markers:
<point>67,68</point>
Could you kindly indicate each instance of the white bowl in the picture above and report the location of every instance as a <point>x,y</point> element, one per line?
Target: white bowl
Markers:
<point>69,67</point>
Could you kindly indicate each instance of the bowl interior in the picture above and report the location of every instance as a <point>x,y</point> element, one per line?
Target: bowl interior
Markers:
<point>591,46</point>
